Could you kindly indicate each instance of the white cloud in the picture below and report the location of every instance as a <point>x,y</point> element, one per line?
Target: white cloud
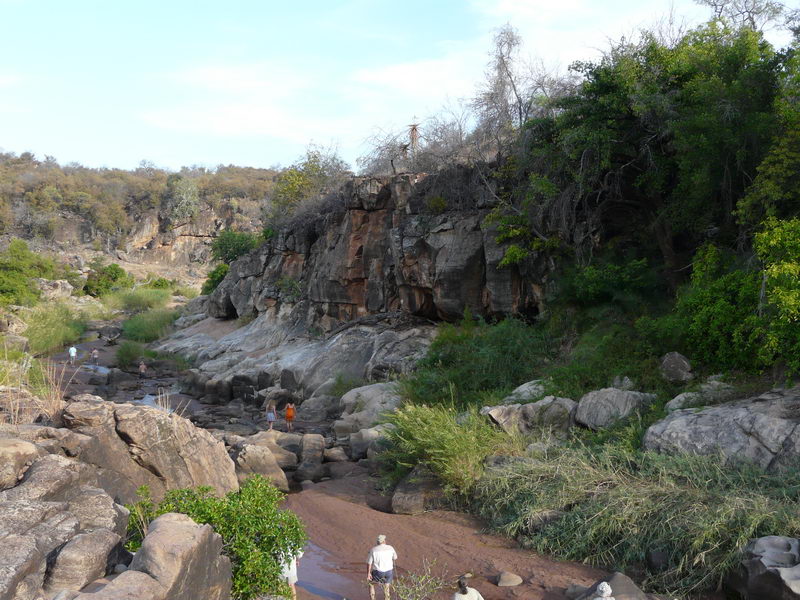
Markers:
<point>9,80</point>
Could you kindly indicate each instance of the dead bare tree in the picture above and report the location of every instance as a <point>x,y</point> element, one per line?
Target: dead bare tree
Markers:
<point>755,14</point>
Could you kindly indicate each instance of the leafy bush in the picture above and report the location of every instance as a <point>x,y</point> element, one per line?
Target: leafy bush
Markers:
<point>468,361</point>
<point>159,283</point>
<point>257,535</point>
<point>607,282</point>
<point>215,277</point>
<point>18,266</point>
<point>149,326</point>
<point>104,279</point>
<point>290,288</point>
<point>436,204</point>
<point>51,327</point>
<point>186,291</point>
<point>230,245</point>
<point>613,506</point>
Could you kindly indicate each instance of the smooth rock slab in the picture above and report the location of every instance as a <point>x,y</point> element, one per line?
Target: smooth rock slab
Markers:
<point>769,570</point>
<point>259,460</point>
<point>602,408</point>
<point>508,579</point>
<point>762,430</point>
<point>82,560</point>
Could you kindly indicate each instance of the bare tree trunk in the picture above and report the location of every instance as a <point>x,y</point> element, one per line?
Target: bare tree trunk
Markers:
<point>664,238</point>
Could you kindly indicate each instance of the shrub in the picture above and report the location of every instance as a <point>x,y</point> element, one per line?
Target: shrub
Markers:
<point>104,279</point>
<point>129,353</point>
<point>159,283</point>
<point>613,506</point>
<point>609,281</point>
<point>215,277</point>
<point>186,291</point>
<point>230,245</point>
<point>149,326</point>
<point>468,361</point>
<point>289,288</point>
<point>454,446</point>
<point>344,383</point>
<point>256,533</point>
<point>138,300</point>
<point>51,327</point>
<point>436,204</point>
<point>18,265</point>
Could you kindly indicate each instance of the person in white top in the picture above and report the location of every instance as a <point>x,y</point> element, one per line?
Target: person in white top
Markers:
<point>289,572</point>
<point>603,592</point>
<point>380,567</point>
<point>466,593</point>
<point>73,354</point>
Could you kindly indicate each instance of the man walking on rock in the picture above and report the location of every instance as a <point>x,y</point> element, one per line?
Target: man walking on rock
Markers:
<point>380,567</point>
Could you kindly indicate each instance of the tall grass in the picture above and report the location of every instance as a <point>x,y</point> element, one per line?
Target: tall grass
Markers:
<point>149,326</point>
<point>454,445</point>
<point>51,327</point>
<point>137,300</point>
<point>617,505</point>
<point>34,389</point>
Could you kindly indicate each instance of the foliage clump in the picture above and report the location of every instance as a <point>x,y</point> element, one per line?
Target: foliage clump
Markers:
<point>258,536</point>
<point>215,277</point>
<point>103,279</point>
<point>230,245</point>
<point>149,326</point>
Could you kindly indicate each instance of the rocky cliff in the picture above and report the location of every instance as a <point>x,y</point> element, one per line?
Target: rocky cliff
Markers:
<point>388,244</point>
<point>355,290</point>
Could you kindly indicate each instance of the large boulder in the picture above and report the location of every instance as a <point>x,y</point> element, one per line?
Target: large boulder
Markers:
<point>366,441</point>
<point>603,408</point>
<point>364,406</point>
<point>711,391</point>
<point>311,457</point>
<point>676,368</point>
<point>15,457</point>
<point>769,569</point>
<point>185,559</point>
<point>318,408</point>
<point>138,445</point>
<point>419,491</point>
<point>549,412</point>
<point>762,430</point>
<point>50,290</point>
<point>259,460</point>
<point>82,560</point>
<point>526,393</point>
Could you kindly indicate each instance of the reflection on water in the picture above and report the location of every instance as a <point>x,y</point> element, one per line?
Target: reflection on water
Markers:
<point>319,577</point>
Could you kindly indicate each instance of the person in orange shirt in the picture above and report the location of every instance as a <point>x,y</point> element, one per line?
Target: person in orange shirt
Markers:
<point>290,410</point>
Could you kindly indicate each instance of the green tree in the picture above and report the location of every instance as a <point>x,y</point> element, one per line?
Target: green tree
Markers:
<point>182,199</point>
<point>230,245</point>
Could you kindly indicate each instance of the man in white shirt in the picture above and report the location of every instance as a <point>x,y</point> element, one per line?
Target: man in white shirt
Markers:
<point>380,567</point>
<point>73,354</point>
<point>289,572</point>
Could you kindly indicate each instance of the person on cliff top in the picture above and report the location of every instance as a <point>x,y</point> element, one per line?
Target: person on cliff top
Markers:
<point>73,354</point>
<point>289,416</point>
<point>466,593</point>
<point>289,572</point>
<point>142,369</point>
<point>271,415</point>
<point>380,567</point>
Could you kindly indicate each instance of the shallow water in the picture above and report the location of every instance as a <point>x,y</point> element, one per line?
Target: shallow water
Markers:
<point>318,577</point>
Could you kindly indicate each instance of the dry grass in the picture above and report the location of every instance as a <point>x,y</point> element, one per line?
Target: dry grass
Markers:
<point>31,390</point>
<point>164,402</point>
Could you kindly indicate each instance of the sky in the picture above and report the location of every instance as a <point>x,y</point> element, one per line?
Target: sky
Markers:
<point>109,83</point>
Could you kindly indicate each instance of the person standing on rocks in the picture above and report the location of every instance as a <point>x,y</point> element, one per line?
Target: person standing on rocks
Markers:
<point>73,354</point>
<point>95,356</point>
<point>466,593</point>
<point>289,572</point>
<point>290,411</point>
<point>142,369</point>
<point>380,567</point>
<point>271,415</point>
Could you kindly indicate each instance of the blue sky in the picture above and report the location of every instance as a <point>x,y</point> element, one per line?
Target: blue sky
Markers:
<point>114,82</point>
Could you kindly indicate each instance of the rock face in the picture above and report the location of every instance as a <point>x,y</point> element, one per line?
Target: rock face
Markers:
<point>762,430</point>
<point>549,412</point>
<point>138,445</point>
<point>351,292</point>
<point>710,392</point>
<point>259,460</point>
<point>419,491</point>
<point>770,570</point>
<point>602,408</point>
<point>54,289</point>
<point>383,250</point>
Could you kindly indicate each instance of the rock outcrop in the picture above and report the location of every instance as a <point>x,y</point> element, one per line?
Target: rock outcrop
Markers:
<point>762,430</point>
<point>138,445</point>
<point>602,408</point>
<point>550,412</point>
<point>769,570</point>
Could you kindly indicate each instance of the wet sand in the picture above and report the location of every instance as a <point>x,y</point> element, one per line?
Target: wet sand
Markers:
<point>342,528</point>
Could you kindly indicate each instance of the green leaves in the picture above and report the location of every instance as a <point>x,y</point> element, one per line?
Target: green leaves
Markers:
<point>258,536</point>
<point>230,245</point>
